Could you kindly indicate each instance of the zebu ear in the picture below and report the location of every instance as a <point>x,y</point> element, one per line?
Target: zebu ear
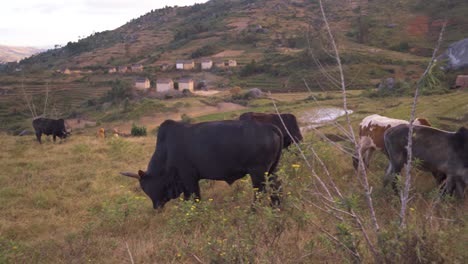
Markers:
<point>133,175</point>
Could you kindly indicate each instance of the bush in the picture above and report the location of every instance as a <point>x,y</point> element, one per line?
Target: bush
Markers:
<point>138,131</point>
<point>205,51</point>
<point>186,119</point>
<point>402,47</point>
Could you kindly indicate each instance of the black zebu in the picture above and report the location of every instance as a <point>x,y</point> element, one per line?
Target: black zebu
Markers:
<point>289,120</point>
<point>220,150</point>
<point>443,153</point>
<point>47,126</point>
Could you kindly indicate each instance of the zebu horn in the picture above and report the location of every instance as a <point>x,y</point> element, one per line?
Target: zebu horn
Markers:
<point>131,174</point>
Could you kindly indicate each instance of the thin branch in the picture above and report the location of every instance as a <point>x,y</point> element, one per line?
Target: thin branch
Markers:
<point>351,131</point>
<point>197,259</point>
<point>129,253</point>
<point>46,99</point>
<point>27,98</point>
<point>405,193</point>
<point>338,242</point>
<point>340,67</point>
<point>324,186</point>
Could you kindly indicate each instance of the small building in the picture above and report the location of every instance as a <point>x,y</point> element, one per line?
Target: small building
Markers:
<point>220,63</point>
<point>206,64</point>
<point>461,82</point>
<point>137,68</point>
<point>185,64</point>
<point>164,84</point>
<point>112,70</point>
<point>122,69</point>
<point>189,65</point>
<point>232,63</point>
<point>186,83</point>
<point>142,83</point>
<point>65,71</point>
<point>179,64</point>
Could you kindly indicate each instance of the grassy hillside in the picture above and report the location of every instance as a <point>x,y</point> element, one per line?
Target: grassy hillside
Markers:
<point>278,45</point>
<point>65,202</point>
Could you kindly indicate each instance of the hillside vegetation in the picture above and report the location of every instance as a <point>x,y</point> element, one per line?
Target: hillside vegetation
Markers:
<point>279,46</point>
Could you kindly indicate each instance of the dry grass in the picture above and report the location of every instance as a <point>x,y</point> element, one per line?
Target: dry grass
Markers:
<point>66,203</point>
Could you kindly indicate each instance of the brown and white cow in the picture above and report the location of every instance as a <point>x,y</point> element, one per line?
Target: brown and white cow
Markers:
<point>371,135</point>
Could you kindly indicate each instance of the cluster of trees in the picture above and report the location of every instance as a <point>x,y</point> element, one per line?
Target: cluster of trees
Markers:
<point>205,51</point>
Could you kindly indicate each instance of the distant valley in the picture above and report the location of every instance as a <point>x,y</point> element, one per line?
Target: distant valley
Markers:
<point>16,53</point>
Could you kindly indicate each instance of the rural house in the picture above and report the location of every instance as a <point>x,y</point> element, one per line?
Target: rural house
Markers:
<point>232,63</point>
<point>461,81</point>
<point>206,64</point>
<point>179,64</point>
<point>122,69</point>
<point>142,83</point>
<point>219,63</point>
<point>164,84</point>
<point>137,68</point>
<point>112,70</point>
<point>65,71</point>
<point>186,83</point>
<point>185,64</point>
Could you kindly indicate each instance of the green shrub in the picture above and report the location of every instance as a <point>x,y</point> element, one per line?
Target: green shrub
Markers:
<point>186,119</point>
<point>138,131</point>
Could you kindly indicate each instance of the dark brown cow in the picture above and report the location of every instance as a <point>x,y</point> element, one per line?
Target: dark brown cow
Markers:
<point>289,120</point>
<point>56,128</point>
<point>441,152</point>
<point>371,134</point>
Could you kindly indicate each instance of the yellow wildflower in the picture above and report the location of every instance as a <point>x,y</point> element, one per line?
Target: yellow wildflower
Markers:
<point>296,166</point>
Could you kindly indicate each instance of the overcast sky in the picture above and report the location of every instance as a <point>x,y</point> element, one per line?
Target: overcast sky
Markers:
<point>44,23</point>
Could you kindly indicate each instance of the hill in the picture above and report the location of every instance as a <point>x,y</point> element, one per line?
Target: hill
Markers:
<point>279,46</point>
<point>12,53</point>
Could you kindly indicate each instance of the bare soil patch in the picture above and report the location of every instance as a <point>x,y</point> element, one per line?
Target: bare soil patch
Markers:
<point>418,26</point>
<point>229,53</point>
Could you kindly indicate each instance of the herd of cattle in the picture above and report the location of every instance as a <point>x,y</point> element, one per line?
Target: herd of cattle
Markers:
<point>228,150</point>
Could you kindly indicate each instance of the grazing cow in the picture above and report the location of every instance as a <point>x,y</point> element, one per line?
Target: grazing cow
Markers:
<point>371,135</point>
<point>47,126</point>
<point>440,152</point>
<point>220,150</point>
<point>101,133</point>
<point>288,119</point>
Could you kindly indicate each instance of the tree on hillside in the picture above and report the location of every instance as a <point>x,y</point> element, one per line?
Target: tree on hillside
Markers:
<point>119,91</point>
